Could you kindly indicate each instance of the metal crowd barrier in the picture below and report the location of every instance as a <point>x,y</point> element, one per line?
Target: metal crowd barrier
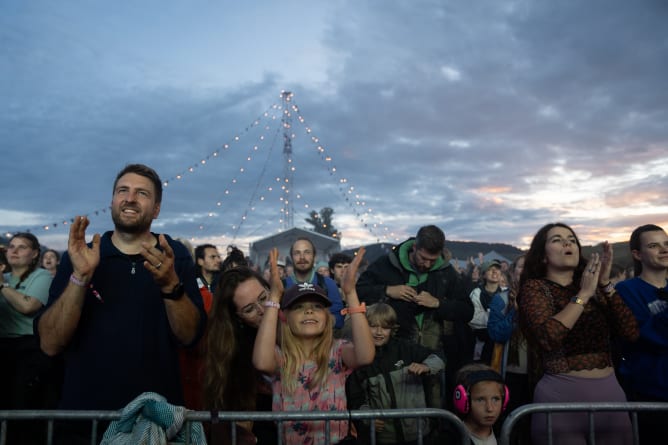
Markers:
<point>590,408</point>
<point>50,416</point>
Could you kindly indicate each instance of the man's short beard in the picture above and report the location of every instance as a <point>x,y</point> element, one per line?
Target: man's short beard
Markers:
<point>134,229</point>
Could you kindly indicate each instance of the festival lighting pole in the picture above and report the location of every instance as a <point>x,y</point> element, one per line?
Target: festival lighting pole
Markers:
<point>288,170</point>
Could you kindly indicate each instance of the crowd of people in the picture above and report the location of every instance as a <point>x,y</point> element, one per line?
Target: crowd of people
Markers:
<point>132,311</point>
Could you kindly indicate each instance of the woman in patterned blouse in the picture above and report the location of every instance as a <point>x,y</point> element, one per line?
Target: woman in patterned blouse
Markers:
<point>568,311</point>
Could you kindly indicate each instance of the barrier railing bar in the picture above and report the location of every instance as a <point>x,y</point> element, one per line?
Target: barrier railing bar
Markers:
<point>49,432</point>
<point>96,416</point>
<point>634,426</point>
<point>592,438</point>
<point>550,408</point>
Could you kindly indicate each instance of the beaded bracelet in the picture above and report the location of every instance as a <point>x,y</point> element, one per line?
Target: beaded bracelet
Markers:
<point>270,303</point>
<point>354,310</point>
<point>77,281</point>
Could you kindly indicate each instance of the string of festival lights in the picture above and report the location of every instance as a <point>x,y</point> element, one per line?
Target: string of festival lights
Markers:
<point>331,170</point>
<point>181,175</point>
<point>347,191</point>
<point>234,181</point>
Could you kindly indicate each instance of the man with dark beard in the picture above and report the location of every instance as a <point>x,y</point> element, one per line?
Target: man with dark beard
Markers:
<point>120,306</point>
<point>303,254</point>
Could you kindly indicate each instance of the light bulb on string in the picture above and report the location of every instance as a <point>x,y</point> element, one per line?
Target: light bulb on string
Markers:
<point>291,110</point>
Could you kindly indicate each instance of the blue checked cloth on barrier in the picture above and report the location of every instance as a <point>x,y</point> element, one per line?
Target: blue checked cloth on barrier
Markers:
<point>150,420</point>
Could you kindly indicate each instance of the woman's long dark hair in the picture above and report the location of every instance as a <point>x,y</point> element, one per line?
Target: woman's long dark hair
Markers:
<point>534,262</point>
<point>535,267</point>
<point>230,380</point>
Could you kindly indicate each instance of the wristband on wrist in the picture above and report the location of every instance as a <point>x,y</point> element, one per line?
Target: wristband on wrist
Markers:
<point>77,281</point>
<point>608,288</point>
<point>354,310</point>
<point>270,303</point>
<point>175,294</point>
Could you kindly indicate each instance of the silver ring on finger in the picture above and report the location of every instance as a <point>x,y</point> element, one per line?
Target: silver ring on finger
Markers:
<point>157,266</point>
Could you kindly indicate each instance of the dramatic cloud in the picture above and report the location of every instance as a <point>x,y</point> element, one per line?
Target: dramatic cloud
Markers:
<point>487,120</point>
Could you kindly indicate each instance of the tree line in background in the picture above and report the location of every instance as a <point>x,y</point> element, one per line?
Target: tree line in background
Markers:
<point>322,222</point>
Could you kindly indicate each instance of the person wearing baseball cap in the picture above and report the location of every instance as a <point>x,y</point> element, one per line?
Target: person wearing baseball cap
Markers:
<point>487,264</point>
<point>309,368</point>
<point>482,296</point>
<point>303,291</point>
<point>281,268</point>
<point>303,255</point>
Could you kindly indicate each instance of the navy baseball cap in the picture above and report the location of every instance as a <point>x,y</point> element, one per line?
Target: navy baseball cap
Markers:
<point>301,290</point>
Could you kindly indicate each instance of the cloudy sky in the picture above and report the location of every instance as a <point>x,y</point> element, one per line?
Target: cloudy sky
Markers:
<point>487,118</point>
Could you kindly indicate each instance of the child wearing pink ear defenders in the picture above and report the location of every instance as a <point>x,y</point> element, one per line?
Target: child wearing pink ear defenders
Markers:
<point>479,398</point>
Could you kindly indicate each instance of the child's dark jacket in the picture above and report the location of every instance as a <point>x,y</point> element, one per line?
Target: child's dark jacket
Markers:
<point>387,384</point>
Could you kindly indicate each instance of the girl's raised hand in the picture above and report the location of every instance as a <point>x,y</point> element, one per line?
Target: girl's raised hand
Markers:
<point>276,282</point>
<point>350,275</point>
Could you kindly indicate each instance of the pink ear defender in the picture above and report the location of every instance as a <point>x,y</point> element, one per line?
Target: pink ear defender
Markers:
<point>461,397</point>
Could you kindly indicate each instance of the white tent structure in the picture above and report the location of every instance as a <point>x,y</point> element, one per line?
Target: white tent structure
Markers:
<point>324,245</point>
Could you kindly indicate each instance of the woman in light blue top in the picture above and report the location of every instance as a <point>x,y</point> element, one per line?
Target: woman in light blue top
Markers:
<point>25,369</point>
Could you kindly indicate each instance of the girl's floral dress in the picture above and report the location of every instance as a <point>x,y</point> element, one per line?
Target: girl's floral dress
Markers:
<point>331,397</point>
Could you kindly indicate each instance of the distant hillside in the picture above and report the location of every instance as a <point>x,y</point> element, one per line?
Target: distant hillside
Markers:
<point>620,251</point>
<point>462,250</point>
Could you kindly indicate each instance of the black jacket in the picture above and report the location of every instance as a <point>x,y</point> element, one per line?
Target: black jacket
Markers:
<point>387,384</point>
<point>443,283</point>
